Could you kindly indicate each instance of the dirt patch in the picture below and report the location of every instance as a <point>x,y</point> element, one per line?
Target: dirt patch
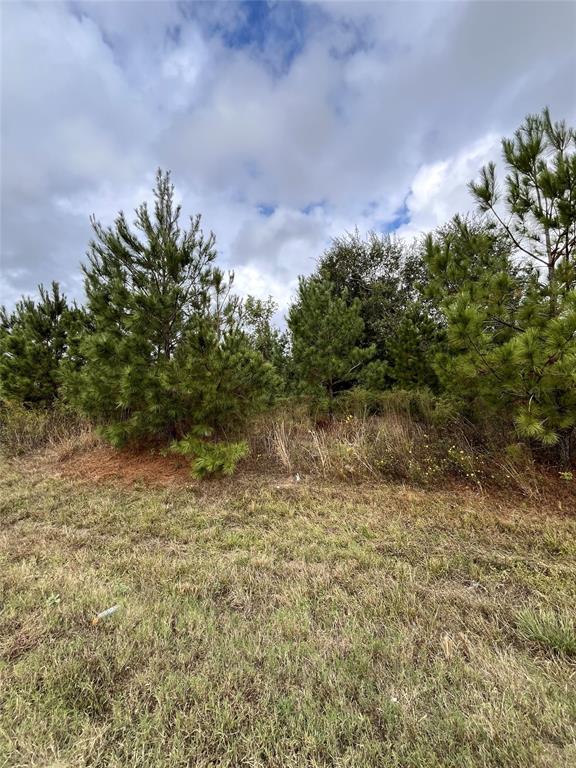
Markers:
<point>127,467</point>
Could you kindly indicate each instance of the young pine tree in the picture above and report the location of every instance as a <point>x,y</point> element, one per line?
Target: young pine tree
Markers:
<point>167,352</point>
<point>35,340</point>
<point>326,332</point>
<point>512,323</point>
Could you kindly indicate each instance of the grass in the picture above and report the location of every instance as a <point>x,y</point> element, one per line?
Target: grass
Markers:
<point>393,446</point>
<point>264,622</point>
<point>552,631</point>
<point>23,430</point>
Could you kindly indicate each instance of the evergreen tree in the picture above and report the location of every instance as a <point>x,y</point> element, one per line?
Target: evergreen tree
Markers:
<point>34,341</point>
<point>539,200</point>
<point>512,309</point>
<point>464,254</point>
<point>168,351</point>
<point>326,333</point>
<point>400,320</point>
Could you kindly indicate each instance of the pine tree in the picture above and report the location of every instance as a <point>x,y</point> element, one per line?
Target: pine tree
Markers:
<point>326,332</point>
<point>35,339</point>
<point>512,316</point>
<point>167,352</point>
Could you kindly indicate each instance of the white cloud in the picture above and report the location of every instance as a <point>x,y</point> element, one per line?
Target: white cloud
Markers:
<point>250,280</point>
<point>380,101</point>
<point>439,190</point>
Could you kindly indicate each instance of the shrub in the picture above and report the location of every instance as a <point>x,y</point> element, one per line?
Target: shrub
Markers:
<point>209,458</point>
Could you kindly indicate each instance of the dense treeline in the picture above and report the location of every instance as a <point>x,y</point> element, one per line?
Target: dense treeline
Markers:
<point>481,312</point>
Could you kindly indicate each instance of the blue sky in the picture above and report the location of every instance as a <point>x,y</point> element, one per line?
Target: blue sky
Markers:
<point>284,124</point>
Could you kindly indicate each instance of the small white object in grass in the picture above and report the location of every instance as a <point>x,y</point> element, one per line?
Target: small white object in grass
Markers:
<point>105,614</point>
<point>297,477</point>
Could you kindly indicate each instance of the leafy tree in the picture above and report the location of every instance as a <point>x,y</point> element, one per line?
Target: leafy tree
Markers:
<point>400,320</point>
<point>34,341</point>
<point>168,351</point>
<point>326,333</point>
<point>512,309</point>
<point>265,337</point>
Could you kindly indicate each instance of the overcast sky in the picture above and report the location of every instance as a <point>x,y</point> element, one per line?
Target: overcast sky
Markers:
<point>283,123</point>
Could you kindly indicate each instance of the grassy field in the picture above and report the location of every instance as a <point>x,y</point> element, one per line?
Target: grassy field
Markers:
<point>269,623</point>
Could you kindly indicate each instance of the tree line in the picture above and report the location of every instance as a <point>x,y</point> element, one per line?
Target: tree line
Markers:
<point>482,311</point>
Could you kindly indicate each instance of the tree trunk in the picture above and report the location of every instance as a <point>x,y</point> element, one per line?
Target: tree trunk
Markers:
<point>330,401</point>
<point>566,449</point>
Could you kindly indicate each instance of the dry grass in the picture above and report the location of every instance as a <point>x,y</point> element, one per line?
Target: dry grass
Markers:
<point>282,624</point>
<point>406,441</point>
<point>393,446</point>
<point>24,430</point>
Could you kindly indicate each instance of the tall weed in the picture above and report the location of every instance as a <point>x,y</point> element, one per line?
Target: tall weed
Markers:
<point>406,441</point>
<point>23,430</point>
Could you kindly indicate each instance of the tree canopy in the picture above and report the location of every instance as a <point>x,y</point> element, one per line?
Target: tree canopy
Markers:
<point>168,350</point>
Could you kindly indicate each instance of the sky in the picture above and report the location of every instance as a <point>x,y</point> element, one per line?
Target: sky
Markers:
<point>284,124</point>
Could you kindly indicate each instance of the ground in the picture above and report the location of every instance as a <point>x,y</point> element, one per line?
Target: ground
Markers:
<point>265,622</point>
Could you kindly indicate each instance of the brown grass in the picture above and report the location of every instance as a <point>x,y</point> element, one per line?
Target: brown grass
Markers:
<point>278,623</point>
<point>358,450</point>
<point>397,446</point>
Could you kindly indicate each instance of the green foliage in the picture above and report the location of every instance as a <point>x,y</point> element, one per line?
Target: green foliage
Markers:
<point>554,631</point>
<point>209,458</point>
<point>386,277</point>
<point>465,253</point>
<point>484,314</point>
<point>168,348</point>
<point>326,331</point>
<point>508,288</point>
<point>35,340</point>
<point>266,339</point>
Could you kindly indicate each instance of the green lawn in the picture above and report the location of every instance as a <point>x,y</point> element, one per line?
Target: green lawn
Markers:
<point>269,624</point>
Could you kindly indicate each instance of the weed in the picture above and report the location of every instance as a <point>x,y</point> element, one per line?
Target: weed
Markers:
<point>23,430</point>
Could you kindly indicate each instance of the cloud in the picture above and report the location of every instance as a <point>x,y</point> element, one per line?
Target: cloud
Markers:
<point>439,190</point>
<point>285,124</point>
